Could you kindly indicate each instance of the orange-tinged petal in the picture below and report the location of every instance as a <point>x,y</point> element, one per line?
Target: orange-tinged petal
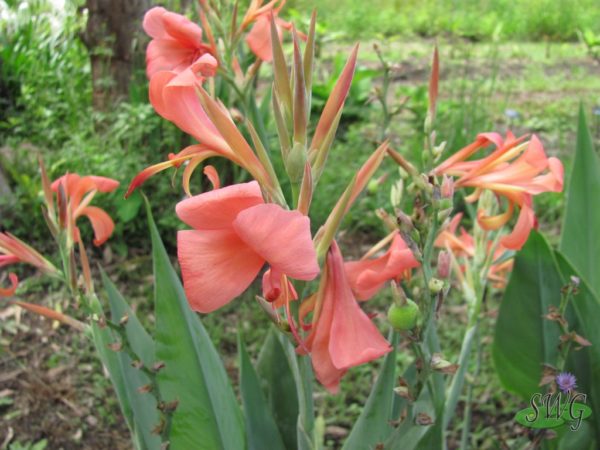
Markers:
<point>101,222</point>
<point>354,338</point>
<point>259,38</point>
<point>14,282</point>
<point>218,209</point>
<point>216,267</point>
<point>281,237</point>
<point>517,238</point>
<point>497,221</point>
<point>212,174</point>
<point>368,276</point>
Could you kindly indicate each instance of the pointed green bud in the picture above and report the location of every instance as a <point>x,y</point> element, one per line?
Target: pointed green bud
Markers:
<point>295,162</point>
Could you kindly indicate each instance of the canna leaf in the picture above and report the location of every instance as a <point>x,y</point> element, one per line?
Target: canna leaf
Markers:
<point>145,415</point>
<point>373,425</point>
<point>261,428</point>
<point>579,242</point>
<point>524,339</point>
<point>279,386</point>
<point>207,416</point>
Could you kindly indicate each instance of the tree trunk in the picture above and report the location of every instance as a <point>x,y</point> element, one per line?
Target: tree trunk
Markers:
<point>110,36</point>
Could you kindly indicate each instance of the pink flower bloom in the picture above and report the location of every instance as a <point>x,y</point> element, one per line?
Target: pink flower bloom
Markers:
<point>176,42</point>
<point>342,335</point>
<point>259,37</point>
<point>514,170</point>
<point>235,233</point>
<point>368,276</point>
<point>79,192</point>
<point>13,251</point>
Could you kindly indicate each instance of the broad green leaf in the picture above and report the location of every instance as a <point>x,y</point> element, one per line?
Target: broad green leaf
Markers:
<point>102,338</point>
<point>208,416</point>
<point>279,386</point>
<point>373,424</point>
<point>523,338</point>
<point>579,240</point>
<point>261,428</point>
<point>143,405</point>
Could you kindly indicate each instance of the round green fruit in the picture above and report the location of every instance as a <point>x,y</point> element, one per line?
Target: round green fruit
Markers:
<point>403,318</point>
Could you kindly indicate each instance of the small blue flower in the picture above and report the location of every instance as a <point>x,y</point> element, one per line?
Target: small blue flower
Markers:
<point>566,382</point>
<point>512,114</point>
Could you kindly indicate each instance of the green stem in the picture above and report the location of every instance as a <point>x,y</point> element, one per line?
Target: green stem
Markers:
<point>466,431</point>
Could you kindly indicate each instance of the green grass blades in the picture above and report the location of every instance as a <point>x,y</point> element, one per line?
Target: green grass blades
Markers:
<point>373,425</point>
<point>261,429</point>
<point>523,338</point>
<point>144,413</point>
<point>579,240</point>
<point>279,386</point>
<point>207,416</point>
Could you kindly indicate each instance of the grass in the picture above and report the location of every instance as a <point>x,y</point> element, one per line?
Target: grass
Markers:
<point>556,20</point>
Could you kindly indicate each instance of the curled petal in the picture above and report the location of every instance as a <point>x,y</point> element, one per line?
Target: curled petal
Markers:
<point>517,238</point>
<point>497,221</point>
<point>281,237</point>
<point>212,174</point>
<point>216,267</point>
<point>218,209</point>
<point>368,276</point>
<point>14,282</point>
<point>101,222</point>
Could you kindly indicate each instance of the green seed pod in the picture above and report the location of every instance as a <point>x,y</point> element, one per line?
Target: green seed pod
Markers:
<point>403,318</point>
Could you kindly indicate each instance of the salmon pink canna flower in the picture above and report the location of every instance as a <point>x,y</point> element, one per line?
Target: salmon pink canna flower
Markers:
<point>235,234</point>
<point>13,251</point>
<point>368,275</point>
<point>176,42</point>
<point>259,37</point>
<point>79,192</point>
<point>342,335</point>
<point>515,170</point>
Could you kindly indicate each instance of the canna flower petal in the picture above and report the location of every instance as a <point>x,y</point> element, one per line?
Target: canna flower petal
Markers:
<point>281,237</point>
<point>274,288</point>
<point>219,208</point>
<point>368,276</point>
<point>79,193</point>
<point>10,291</point>
<point>517,238</point>
<point>216,267</point>
<point>175,98</point>
<point>342,335</point>
<point>101,222</point>
<point>176,44</point>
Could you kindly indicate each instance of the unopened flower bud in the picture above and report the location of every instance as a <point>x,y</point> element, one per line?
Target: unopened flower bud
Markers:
<point>447,189</point>
<point>403,318</point>
<point>435,285</point>
<point>295,161</point>
<point>443,264</point>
